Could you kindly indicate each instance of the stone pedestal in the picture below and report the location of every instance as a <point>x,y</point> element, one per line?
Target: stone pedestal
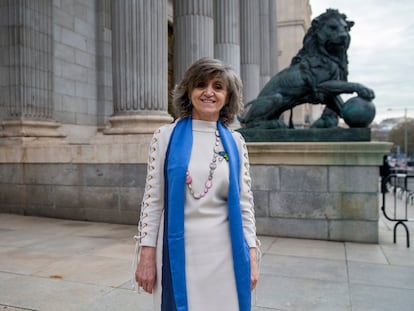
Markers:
<point>326,190</point>
<point>336,134</point>
<point>136,124</point>
<point>103,180</point>
<point>30,128</point>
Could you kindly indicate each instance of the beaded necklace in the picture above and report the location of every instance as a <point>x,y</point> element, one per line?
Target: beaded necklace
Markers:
<point>213,165</point>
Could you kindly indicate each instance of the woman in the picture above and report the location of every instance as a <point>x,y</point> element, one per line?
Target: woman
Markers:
<point>197,228</point>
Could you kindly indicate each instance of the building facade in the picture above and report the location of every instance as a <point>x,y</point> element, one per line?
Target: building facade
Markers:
<point>84,83</point>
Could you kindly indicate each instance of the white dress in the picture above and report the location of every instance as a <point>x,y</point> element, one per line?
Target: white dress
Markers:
<point>209,266</point>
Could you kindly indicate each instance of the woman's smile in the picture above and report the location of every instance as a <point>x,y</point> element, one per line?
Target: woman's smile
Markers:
<point>208,98</point>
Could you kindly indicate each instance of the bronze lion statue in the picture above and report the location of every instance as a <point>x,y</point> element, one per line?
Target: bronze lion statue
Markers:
<point>316,75</point>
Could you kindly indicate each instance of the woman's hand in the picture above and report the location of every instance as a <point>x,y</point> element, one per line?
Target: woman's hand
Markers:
<point>146,272</point>
<point>254,268</point>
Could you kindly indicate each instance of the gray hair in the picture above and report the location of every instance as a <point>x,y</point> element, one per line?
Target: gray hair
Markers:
<point>204,70</point>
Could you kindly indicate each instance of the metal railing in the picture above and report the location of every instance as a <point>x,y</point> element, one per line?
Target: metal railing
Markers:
<point>401,188</point>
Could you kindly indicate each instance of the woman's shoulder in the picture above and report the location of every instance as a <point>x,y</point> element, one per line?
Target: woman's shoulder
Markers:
<point>166,128</point>
<point>238,137</point>
<point>163,133</point>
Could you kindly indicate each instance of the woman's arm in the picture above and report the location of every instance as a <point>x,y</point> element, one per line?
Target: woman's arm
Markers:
<point>246,194</point>
<point>247,210</point>
<point>254,267</point>
<point>151,210</point>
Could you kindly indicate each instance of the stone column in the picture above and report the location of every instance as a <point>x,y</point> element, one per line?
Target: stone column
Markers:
<point>264,42</point>
<point>193,33</point>
<point>273,44</point>
<point>28,59</point>
<point>139,64</point>
<point>227,32</point>
<point>250,49</point>
<point>104,62</point>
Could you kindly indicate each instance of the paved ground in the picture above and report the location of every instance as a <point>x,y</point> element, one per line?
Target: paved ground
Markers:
<point>52,265</point>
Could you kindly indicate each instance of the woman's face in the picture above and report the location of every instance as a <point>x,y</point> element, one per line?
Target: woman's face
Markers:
<point>208,98</point>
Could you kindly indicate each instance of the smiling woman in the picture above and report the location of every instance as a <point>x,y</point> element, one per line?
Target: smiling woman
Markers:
<point>213,76</point>
<point>208,98</point>
<point>197,227</point>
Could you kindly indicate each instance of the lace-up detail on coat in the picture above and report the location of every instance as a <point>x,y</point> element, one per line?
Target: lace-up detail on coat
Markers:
<point>151,193</point>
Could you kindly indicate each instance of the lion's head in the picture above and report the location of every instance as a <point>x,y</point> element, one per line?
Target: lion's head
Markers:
<point>328,36</point>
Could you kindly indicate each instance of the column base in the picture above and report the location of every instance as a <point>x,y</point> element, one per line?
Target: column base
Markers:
<point>136,124</point>
<point>30,128</point>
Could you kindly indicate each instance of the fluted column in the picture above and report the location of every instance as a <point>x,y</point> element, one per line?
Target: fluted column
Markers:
<point>139,66</point>
<point>227,32</point>
<point>264,42</point>
<point>29,62</point>
<point>250,49</point>
<point>193,33</point>
<point>104,62</point>
<point>273,42</point>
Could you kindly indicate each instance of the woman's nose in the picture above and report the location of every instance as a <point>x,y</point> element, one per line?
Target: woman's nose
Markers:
<point>209,90</point>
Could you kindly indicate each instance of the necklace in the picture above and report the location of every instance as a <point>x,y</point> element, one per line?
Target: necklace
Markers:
<point>213,165</point>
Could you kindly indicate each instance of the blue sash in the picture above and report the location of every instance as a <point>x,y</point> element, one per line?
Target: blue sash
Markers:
<point>174,291</point>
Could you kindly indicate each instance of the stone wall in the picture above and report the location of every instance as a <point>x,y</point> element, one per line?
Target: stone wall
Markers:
<point>318,202</point>
<point>325,191</point>
<point>75,66</point>
<point>100,181</point>
<point>98,192</point>
<point>317,190</point>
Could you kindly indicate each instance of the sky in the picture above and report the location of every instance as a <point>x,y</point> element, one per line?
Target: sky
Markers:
<point>381,54</point>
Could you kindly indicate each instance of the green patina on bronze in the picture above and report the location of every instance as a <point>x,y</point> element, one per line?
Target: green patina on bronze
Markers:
<point>317,75</point>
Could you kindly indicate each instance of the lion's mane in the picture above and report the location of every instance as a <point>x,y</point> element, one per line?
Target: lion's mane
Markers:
<point>314,45</point>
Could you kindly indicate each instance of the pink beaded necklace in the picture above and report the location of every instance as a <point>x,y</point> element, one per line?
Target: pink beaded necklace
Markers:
<point>213,165</point>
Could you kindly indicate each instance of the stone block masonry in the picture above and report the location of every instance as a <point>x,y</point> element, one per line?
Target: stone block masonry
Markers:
<point>315,197</point>
<point>75,62</point>
<point>323,191</point>
<point>98,192</point>
<point>101,181</point>
<point>326,191</point>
